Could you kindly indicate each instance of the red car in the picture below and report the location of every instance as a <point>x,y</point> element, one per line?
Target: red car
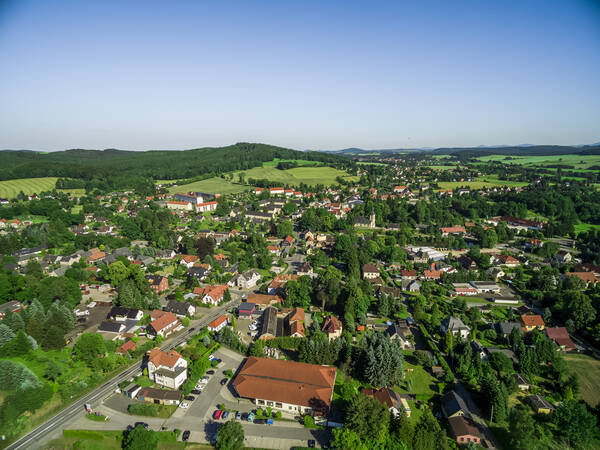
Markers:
<point>217,414</point>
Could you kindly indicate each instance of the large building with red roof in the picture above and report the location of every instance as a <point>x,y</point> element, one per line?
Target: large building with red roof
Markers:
<point>289,386</point>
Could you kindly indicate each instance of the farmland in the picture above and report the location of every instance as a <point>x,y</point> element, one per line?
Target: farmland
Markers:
<point>308,175</point>
<point>588,374</point>
<point>480,182</point>
<point>11,188</point>
<point>581,162</point>
<point>215,185</point>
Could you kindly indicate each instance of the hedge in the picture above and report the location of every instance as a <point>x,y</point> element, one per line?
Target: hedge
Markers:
<point>83,434</point>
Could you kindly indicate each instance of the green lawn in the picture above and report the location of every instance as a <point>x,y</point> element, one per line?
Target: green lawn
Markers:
<point>588,375</point>
<point>73,192</point>
<point>11,188</point>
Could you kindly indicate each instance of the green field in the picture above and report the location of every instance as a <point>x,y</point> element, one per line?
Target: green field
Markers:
<point>588,375</point>
<point>479,183</point>
<point>73,192</point>
<point>578,161</point>
<point>215,185</point>
<point>442,167</point>
<point>584,227</point>
<point>300,162</point>
<point>308,175</point>
<point>11,188</point>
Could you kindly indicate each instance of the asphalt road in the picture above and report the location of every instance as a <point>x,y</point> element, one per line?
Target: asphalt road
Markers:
<point>76,409</point>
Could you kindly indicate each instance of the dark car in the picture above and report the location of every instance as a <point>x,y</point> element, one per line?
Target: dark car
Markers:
<point>210,372</point>
<point>312,443</point>
<point>224,381</point>
<point>144,424</point>
<point>192,329</point>
<point>196,392</point>
<point>260,421</point>
<point>190,398</point>
<point>225,415</point>
<point>186,435</point>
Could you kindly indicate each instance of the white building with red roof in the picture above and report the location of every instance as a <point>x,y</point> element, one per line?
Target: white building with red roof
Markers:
<point>168,369</point>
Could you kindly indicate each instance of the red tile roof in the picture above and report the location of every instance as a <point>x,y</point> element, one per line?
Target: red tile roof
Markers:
<point>289,382</point>
<point>160,358</point>
<point>163,320</point>
<point>560,335</point>
<point>218,321</point>
<point>533,321</point>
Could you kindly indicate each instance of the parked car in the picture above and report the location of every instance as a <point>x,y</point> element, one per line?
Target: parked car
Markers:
<point>223,381</point>
<point>186,435</point>
<point>311,443</point>
<point>217,414</point>
<point>210,372</point>
<point>189,398</point>
<point>250,417</point>
<point>144,424</point>
<point>211,357</point>
<point>204,380</point>
<point>225,415</point>
<point>196,392</point>
<point>184,405</point>
<point>238,415</point>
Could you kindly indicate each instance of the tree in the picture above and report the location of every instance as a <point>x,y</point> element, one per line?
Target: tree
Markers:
<point>522,428</point>
<point>117,273</point>
<point>19,345</point>
<point>347,439</point>
<point>140,438</point>
<point>449,342</point>
<point>285,228</point>
<point>580,308</point>
<point>53,370</point>
<point>89,347</point>
<point>230,436</point>
<point>204,246</point>
<point>368,418</point>
<point>53,339</point>
<point>6,334</point>
<point>575,423</point>
<point>428,433</point>
<point>13,321</point>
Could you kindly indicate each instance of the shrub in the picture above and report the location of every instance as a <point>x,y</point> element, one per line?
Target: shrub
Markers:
<point>309,421</point>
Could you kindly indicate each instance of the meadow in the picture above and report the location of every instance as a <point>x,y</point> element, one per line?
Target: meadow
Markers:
<point>581,162</point>
<point>588,375</point>
<point>479,183</point>
<point>11,188</point>
<point>214,185</point>
<point>311,175</point>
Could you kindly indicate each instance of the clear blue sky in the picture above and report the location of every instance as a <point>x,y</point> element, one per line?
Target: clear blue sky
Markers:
<point>320,75</point>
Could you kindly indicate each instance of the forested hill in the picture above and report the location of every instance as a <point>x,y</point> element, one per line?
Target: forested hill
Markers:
<point>98,164</point>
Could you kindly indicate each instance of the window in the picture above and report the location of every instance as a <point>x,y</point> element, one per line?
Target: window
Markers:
<point>278,405</point>
<point>261,402</point>
<point>269,403</point>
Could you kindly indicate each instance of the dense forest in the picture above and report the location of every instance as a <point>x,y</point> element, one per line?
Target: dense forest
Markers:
<point>121,167</point>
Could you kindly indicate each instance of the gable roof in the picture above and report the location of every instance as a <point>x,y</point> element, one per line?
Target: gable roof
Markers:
<point>160,358</point>
<point>289,382</point>
<point>331,324</point>
<point>263,299</point>
<point>453,403</point>
<point>461,426</point>
<point>560,335</point>
<point>177,307</point>
<point>533,320</point>
<point>163,320</point>
<point>384,395</point>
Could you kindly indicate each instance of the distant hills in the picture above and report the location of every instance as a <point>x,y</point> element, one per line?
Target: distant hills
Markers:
<point>513,150</point>
<point>159,164</point>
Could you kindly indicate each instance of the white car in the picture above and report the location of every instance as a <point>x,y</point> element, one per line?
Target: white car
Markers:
<point>184,405</point>
<point>204,380</point>
<point>251,327</point>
